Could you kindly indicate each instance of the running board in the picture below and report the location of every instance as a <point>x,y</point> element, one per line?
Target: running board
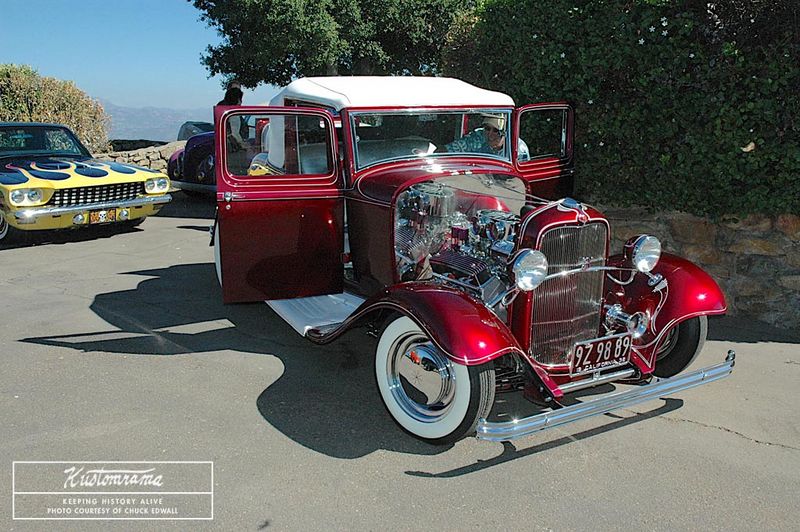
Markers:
<point>510,430</point>
<point>316,312</point>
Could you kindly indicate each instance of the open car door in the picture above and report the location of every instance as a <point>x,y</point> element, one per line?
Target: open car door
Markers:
<point>280,215</point>
<point>543,148</point>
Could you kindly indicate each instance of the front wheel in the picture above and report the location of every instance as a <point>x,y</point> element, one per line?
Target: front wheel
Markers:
<point>8,234</point>
<point>681,346</point>
<point>427,394</point>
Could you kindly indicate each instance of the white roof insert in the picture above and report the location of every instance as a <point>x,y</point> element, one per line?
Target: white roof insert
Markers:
<point>389,91</point>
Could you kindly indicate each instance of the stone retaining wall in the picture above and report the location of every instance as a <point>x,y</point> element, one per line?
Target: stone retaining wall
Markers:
<point>755,259</point>
<point>155,157</point>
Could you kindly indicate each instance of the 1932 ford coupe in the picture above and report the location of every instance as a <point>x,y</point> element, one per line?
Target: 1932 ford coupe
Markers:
<point>437,214</point>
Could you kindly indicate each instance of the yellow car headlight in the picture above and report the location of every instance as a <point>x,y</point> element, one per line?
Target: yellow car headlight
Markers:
<point>34,195</point>
<point>17,197</point>
<point>156,185</point>
<point>27,197</point>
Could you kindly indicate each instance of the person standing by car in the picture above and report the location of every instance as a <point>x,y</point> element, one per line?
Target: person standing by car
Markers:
<point>237,145</point>
<point>233,96</point>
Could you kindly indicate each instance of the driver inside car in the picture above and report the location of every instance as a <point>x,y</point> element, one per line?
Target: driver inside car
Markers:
<point>489,138</point>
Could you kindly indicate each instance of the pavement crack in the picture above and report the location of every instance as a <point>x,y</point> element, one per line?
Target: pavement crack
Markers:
<point>792,362</point>
<point>730,431</point>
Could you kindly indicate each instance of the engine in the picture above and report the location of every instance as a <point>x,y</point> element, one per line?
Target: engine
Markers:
<point>445,233</point>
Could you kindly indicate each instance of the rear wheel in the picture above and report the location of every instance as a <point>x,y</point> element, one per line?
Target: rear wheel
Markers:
<point>681,346</point>
<point>427,394</point>
<point>204,175</point>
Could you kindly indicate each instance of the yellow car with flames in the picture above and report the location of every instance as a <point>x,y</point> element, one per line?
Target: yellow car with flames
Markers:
<point>49,180</point>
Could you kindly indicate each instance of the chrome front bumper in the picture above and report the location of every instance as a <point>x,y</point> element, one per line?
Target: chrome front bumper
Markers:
<point>29,216</point>
<point>510,430</point>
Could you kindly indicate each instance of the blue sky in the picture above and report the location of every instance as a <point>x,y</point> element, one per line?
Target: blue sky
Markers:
<point>133,53</point>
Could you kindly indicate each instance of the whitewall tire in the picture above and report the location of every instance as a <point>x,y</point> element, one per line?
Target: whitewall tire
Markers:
<point>8,234</point>
<point>427,394</point>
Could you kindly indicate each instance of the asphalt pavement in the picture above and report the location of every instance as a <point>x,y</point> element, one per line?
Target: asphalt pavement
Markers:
<point>116,347</point>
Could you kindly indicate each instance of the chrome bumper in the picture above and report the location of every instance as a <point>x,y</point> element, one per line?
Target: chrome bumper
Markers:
<point>510,430</point>
<point>31,215</point>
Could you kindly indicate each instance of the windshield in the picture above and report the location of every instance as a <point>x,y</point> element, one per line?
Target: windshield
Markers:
<point>25,140</point>
<point>394,135</point>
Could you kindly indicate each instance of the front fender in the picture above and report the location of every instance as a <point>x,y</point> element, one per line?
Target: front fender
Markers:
<point>460,326</point>
<point>686,291</point>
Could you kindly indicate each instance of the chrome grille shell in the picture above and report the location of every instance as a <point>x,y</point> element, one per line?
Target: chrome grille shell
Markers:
<point>96,194</point>
<point>567,309</point>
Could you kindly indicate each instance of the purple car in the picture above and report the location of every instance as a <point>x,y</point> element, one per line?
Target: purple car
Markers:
<point>192,168</point>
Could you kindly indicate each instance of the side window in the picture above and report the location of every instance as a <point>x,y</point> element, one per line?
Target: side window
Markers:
<point>542,133</point>
<point>277,144</point>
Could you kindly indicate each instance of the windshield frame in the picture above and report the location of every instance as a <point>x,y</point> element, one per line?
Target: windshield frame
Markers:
<point>82,151</point>
<point>354,112</point>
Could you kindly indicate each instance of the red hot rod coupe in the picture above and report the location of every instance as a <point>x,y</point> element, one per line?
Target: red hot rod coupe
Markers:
<point>436,213</point>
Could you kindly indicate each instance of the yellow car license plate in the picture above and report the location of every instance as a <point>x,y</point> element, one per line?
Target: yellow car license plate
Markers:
<point>101,217</point>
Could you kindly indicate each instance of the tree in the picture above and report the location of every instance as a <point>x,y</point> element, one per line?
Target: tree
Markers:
<point>25,96</point>
<point>275,41</point>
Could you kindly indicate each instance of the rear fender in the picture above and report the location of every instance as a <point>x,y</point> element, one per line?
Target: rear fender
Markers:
<point>680,291</point>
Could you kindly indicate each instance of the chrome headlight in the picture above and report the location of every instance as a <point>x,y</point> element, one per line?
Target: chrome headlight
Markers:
<point>158,184</point>
<point>530,269</point>
<point>17,196</point>
<point>26,196</point>
<point>34,195</point>
<point>644,252</point>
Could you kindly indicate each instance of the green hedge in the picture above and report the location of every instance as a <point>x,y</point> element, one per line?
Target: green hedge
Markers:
<point>675,108</point>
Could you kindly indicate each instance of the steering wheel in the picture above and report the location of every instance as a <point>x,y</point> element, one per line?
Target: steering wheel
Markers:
<point>422,153</point>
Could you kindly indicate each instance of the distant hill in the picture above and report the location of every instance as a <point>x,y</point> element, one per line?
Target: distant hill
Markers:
<point>151,123</point>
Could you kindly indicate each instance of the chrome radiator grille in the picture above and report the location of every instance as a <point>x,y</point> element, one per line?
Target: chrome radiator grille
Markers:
<point>567,309</point>
<point>95,194</point>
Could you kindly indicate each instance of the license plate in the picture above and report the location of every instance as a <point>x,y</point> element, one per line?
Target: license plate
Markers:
<point>101,217</point>
<point>600,353</point>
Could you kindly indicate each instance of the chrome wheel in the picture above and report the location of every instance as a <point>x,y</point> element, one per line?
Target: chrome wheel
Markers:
<point>421,378</point>
<point>668,344</point>
<point>205,170</point>
<point>427,394</point>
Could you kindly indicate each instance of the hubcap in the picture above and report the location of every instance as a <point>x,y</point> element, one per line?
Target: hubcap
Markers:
<point>669,342</point>
<point>204,170</point>
<point>3,227</point>
<point>421,378</point>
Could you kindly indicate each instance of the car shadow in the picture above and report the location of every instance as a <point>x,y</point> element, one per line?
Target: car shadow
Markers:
<point>736,329</point>
<point>184,205</point>
<point>510,451</point>
<point>326,398</point>
<point>66,236</point>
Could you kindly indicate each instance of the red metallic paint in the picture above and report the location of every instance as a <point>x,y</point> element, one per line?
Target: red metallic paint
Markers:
<point>369,227</point>
<point>461,326</point>
<point>382,183</point>
<point>280,236</point>
<point>688,292</point>
<point>281,249</point>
